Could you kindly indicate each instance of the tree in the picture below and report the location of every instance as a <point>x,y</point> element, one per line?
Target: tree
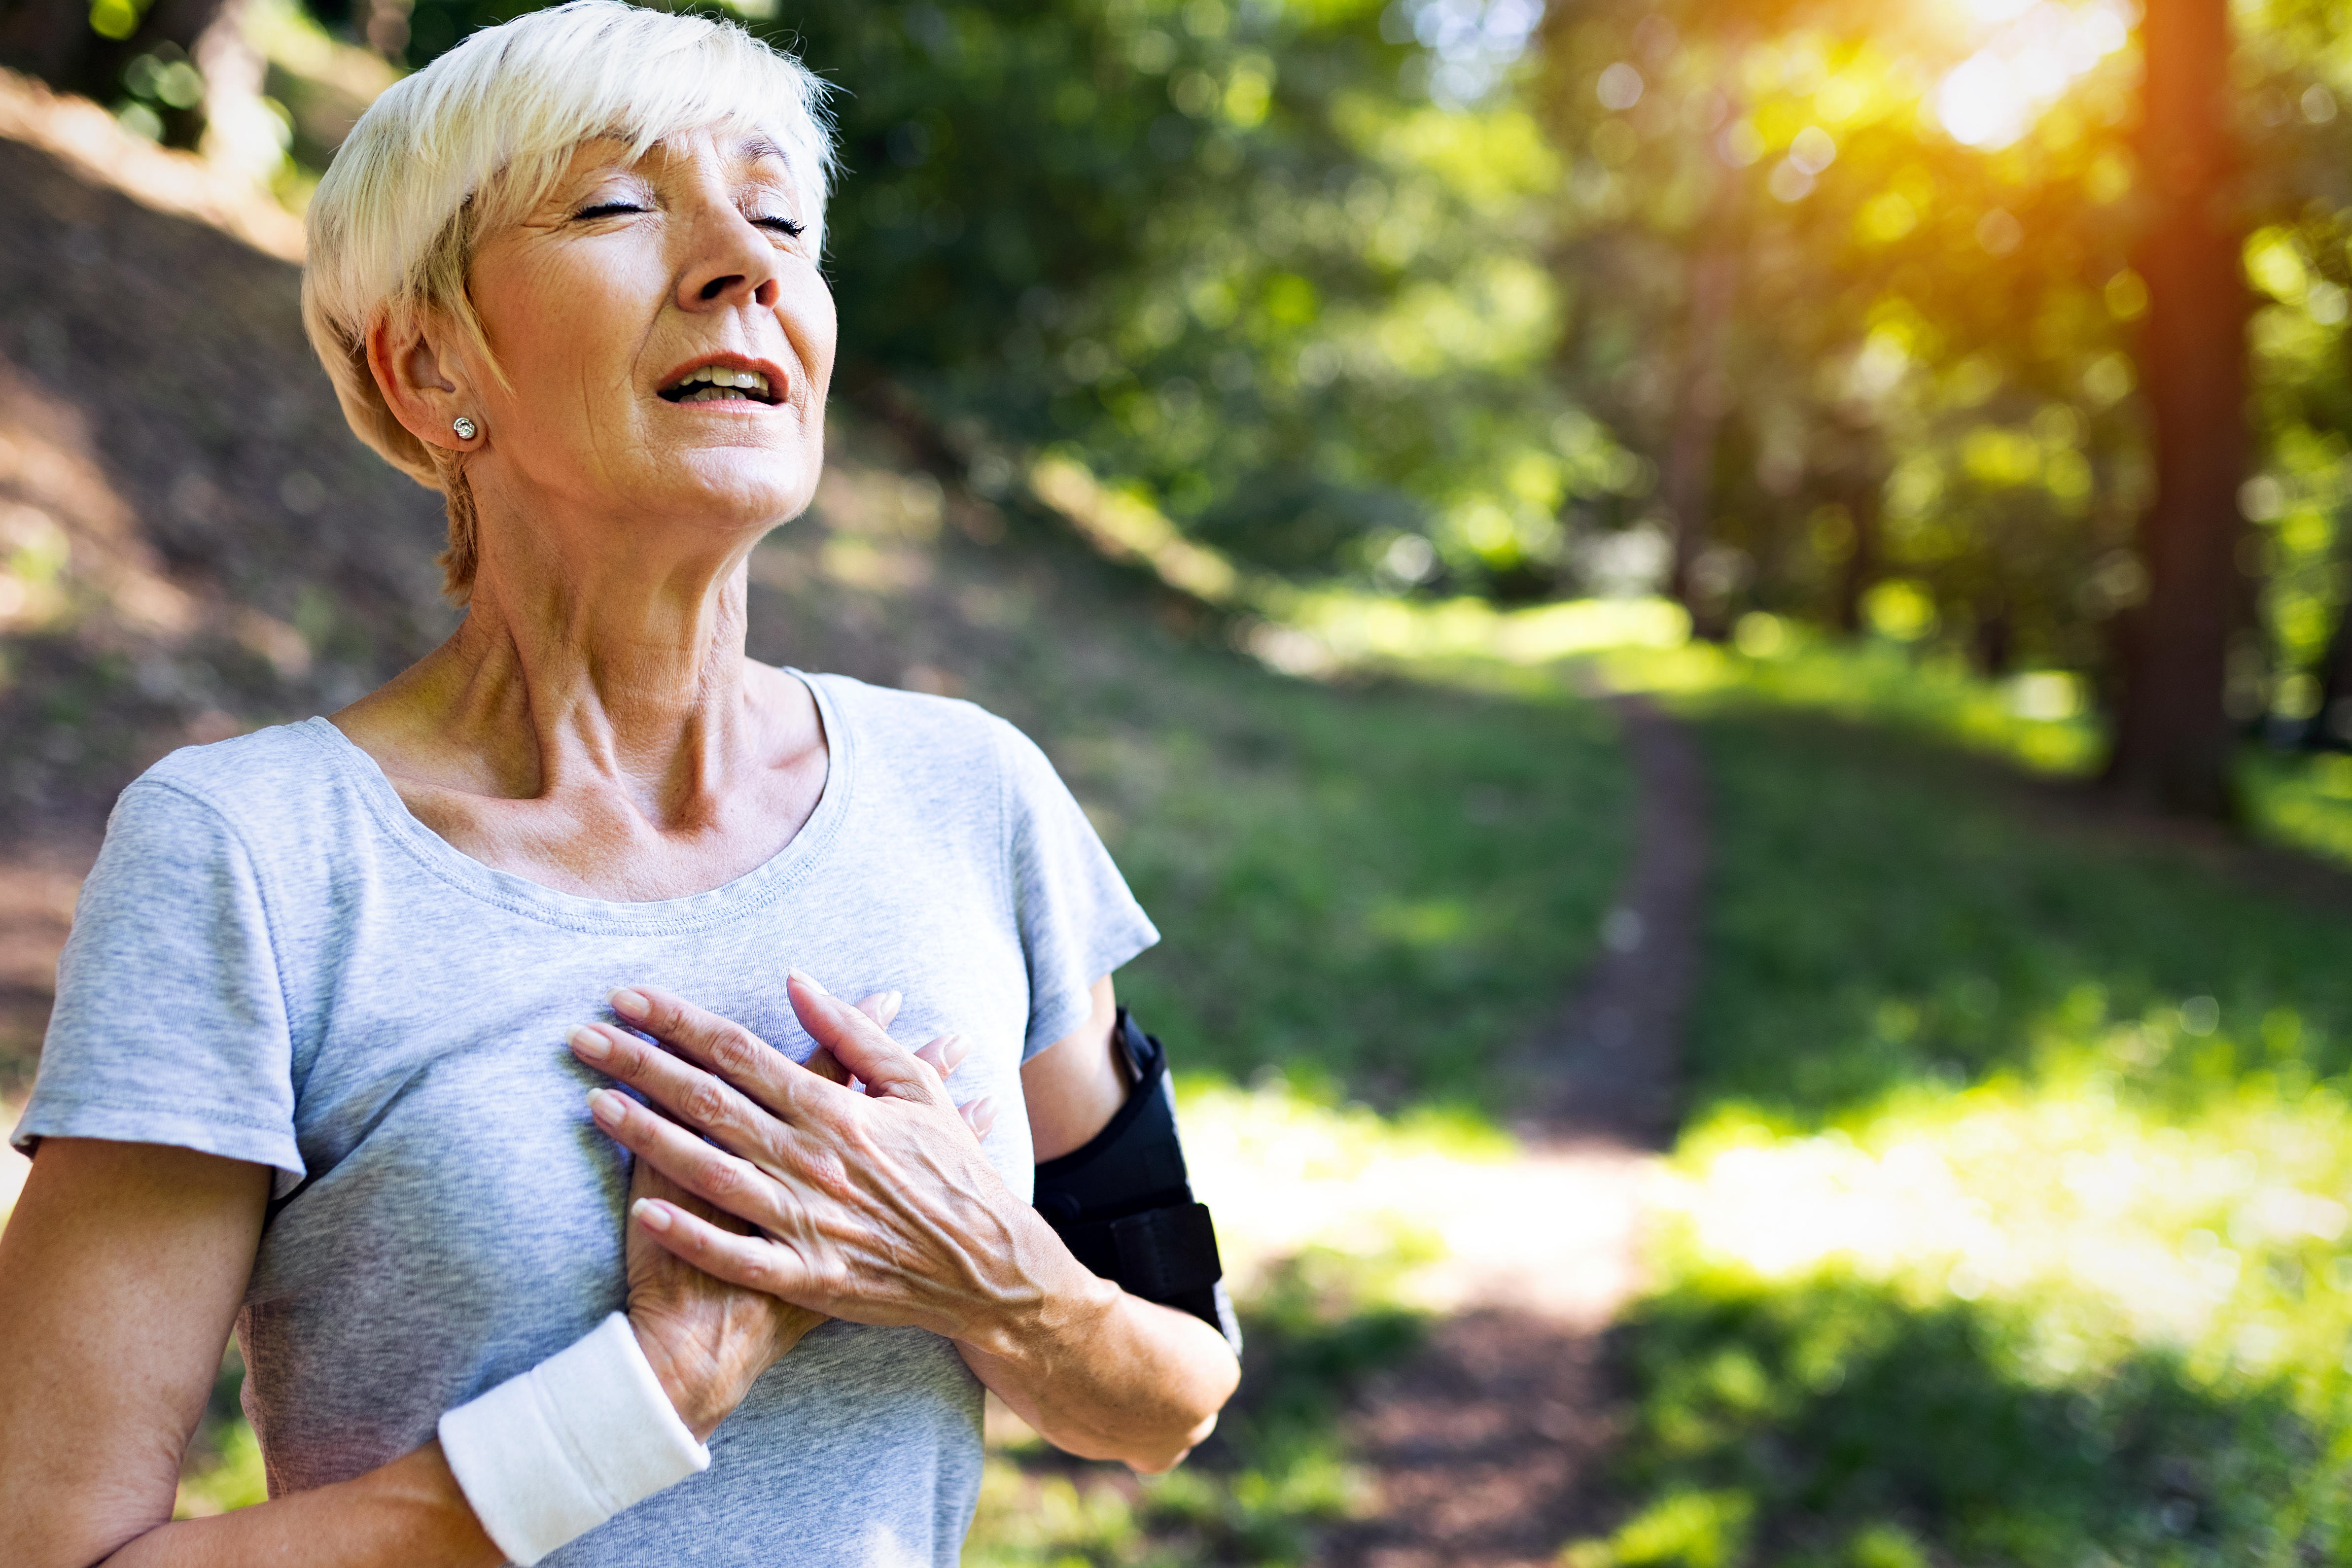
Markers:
<point>84,49</point>
<point>2173,737</point>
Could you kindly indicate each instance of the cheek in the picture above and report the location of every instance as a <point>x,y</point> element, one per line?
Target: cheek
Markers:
<point>807,312</point>
<point>566,336</point>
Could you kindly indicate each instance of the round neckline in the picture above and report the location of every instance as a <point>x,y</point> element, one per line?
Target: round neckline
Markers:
<point>731,900</point>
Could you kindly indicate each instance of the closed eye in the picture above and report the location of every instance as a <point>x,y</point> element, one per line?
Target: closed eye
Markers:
<point>606,209</point>
<point>791,228</point>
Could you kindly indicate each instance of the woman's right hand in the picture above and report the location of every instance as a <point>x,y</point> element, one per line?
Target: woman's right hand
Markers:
<point>709,1341</point>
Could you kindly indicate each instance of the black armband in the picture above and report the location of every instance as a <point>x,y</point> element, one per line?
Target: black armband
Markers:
<point>1122,1205</point>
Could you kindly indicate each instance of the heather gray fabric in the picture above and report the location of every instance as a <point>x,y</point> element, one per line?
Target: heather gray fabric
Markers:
<point>274,961</point>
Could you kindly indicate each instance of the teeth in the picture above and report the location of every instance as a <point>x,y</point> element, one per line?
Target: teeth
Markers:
<point>723,376</point>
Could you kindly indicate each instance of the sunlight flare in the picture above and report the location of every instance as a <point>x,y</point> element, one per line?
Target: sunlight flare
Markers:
<point>2037,52</point>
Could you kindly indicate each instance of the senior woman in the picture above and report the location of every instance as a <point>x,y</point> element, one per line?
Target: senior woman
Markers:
<point>335,989</point>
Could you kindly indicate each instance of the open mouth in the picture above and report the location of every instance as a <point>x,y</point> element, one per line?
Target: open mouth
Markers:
<point>721,383</point>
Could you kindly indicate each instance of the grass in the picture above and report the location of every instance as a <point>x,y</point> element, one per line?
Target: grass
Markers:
<point>1376,892</point>
<point>1258,1490</point>
<point>2304,801</point>
<point>2007,1225</point>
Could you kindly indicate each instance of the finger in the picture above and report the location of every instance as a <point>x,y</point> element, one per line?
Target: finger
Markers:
<point>757,1193</point>
<point>707,1104</point>
<point>822,1063</point>
<point>945,1054</point>
<point>881,1007</point>
<point>726,1048</point>
<point>645,1180</point>
<point>754,1262</point>
<point>980,1116</point>
<point>889,1069</point>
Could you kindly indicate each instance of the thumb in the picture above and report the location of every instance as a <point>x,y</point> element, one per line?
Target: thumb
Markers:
<point>888,1069</point>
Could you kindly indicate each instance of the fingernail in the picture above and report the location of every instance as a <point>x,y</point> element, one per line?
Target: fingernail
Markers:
<point>954,1050</point>
<point>811,981</point>
<point>630,1004</point>
<point>591,1044</point>
<point>606,1106</point>
<point>891,1003</point>
<point>650,1215</point>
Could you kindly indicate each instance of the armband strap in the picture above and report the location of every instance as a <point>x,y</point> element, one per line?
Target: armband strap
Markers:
<point>1122,1205</point>
<point>552,1454</point>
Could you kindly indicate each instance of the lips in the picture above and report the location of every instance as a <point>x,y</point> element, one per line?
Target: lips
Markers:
<point>725,380</point>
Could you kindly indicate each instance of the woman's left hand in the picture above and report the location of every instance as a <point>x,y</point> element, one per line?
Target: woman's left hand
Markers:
<point>876,1207</point>
<point>710,1340</point>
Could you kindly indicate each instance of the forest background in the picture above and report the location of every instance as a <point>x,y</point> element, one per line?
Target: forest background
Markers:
<point>1973,368</point>
<point>1866,317</point>
<point>1883,319</point>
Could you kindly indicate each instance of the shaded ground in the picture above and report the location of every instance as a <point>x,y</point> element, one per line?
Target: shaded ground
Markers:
<point>1485,1449</point>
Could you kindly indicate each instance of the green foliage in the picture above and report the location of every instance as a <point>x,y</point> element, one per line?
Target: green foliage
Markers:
<point>222,1469</point>
<point>1353,290</point>
<point>1941,930</point>
<point>1227,247</point>
<point>2304,801</point>
<point>1838,1422</point>
<point>2006,1226</point>
<point>1903,377</point>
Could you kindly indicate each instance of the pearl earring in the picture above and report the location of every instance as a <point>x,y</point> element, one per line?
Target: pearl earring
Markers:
<point>466,428</point>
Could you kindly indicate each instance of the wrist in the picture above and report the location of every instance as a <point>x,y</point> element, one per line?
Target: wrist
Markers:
<point>701,1394</point>
<point>1062,1302</point>
<point>549,1454</point>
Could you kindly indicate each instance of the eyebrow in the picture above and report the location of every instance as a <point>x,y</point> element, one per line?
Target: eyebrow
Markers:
<point>754,148</point>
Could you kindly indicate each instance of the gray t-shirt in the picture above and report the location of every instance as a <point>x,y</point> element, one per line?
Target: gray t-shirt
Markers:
<point>274,961</point>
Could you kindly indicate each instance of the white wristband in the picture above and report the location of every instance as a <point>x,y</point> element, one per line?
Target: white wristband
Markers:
<point>556,1452</point>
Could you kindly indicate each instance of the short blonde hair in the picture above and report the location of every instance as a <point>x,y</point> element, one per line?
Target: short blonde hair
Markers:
<point>474,141</point>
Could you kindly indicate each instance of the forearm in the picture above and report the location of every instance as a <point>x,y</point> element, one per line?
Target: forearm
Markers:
<point>1106,1375</point>
<point>406,1514</point>
<point>412,1511</point>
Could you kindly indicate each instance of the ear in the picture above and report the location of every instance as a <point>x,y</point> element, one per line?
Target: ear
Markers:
<point>423,382</point>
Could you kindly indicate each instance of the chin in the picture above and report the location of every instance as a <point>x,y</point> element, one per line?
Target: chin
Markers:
<point>722,490</point>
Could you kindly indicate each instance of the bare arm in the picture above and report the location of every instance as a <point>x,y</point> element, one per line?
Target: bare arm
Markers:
<point>120,1273</point>
<point>882,1209</point>
<point>1150,1356</point>
<point>1075,1085</point>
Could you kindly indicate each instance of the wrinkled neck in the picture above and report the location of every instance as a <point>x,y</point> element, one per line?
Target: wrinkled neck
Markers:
<point>606,668</point>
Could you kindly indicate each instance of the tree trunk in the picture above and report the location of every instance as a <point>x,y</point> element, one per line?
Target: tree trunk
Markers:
<point>2331,726</point>
<point>2173,737</point>
<point>46,39</point>
<point>1861,565</point>
<point>53,40</point>
<point>1701,400</point>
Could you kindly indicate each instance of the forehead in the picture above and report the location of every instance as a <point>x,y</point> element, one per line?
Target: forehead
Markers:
<point>744,154</point>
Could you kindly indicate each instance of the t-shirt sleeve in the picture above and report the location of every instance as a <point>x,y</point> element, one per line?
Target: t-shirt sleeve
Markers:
<point>1078,922</point>
<point>170,1025</point>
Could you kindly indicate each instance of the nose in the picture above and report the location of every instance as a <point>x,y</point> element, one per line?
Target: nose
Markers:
<point>734,265</point>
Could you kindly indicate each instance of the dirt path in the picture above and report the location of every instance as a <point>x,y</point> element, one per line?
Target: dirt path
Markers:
<point>1484,1451</point>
